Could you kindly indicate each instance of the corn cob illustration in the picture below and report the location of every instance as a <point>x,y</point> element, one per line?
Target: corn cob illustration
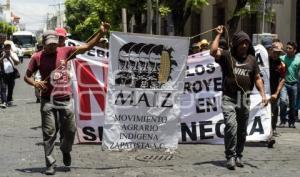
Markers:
<point>165,67</point>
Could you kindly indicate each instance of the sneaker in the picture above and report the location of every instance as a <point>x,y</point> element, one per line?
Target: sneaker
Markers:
<point>10,103</point>
<point>292,126</point>
<point>67,158</point>
<point>271,143</point>
<point>230,163</point>
<point>50,170</point>
<point>3,105</point>
<point>239,162</point>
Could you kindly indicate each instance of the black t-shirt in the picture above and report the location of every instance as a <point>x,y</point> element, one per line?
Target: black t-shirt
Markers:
<point>238,74</point>
<point>277,72</point>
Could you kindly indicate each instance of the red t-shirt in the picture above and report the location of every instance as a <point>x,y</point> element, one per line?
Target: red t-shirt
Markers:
<point>54,68</point>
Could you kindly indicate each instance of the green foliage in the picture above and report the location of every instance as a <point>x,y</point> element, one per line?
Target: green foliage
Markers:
<point>6,28</point>
<point>253,8</point>
<point>164,10</point>
<point>196,5</point>
<point>84,16</point>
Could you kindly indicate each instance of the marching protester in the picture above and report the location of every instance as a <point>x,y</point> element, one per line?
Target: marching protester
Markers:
<point>289,92</point>
<point>277,78</point>
<point>62,36</point>
<point>240,74</point>
<point>56,92</point>
<point>8,61</point>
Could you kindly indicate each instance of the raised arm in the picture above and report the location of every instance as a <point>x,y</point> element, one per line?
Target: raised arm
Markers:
<point>104,28</point>
<point>215,44</point>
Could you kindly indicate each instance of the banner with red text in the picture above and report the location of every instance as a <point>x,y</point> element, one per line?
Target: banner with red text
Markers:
<point>89,91</point>
<point>201,120</point>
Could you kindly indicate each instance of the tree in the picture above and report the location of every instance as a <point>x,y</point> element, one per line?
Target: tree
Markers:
<point>239,11</point>
<point>83,16</point>
<point>6,28</point>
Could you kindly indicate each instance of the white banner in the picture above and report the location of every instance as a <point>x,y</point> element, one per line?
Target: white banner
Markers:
<point>145,83</point>
<point>202,118</point>
<point>89,92</point>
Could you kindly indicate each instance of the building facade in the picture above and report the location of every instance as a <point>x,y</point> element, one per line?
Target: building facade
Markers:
<point>283,19</point>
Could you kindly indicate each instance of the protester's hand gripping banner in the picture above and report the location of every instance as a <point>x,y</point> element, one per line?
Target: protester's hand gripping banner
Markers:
<point>144,86</point>
<point>202,118</point>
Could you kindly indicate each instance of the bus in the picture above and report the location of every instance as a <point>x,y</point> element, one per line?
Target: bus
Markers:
<point>26,41</point>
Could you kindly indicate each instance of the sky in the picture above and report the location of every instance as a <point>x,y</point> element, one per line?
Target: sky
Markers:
<point>33,13</point>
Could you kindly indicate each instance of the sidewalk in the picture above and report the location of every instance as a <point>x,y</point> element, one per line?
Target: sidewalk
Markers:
<point>22,152</point>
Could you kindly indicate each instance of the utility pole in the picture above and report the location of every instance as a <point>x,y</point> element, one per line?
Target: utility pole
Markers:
<point>59,15</point>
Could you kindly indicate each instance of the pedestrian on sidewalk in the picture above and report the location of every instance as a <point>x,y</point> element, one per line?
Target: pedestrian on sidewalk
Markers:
<point>56,92</point>
<point>289,92</point>
<point>240,74</point>
<point>277,71</point>
<point>7,63</point>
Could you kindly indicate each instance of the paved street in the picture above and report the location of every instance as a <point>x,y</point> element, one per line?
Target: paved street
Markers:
<point>22,154</point>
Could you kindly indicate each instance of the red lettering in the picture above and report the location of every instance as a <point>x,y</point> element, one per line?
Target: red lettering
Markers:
<point>88,83</point>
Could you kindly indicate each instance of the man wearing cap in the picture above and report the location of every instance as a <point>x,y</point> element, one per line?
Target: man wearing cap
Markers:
<point>203,45</point>
<point>289,92</point>
<point>277,78</point>
<point>56,92</point>
<point>240,74</point>
<point>62,36</point>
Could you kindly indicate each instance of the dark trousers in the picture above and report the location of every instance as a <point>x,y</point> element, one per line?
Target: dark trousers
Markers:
<point>2,89</point>
<point>9,79</point>
<point>236,115</point>
<point>274,112</point>
<point>7,85</point>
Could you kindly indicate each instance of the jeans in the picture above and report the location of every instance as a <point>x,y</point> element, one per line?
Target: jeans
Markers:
<point>236,120</point>
<point>288,98</point>
<point>54,113</point>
